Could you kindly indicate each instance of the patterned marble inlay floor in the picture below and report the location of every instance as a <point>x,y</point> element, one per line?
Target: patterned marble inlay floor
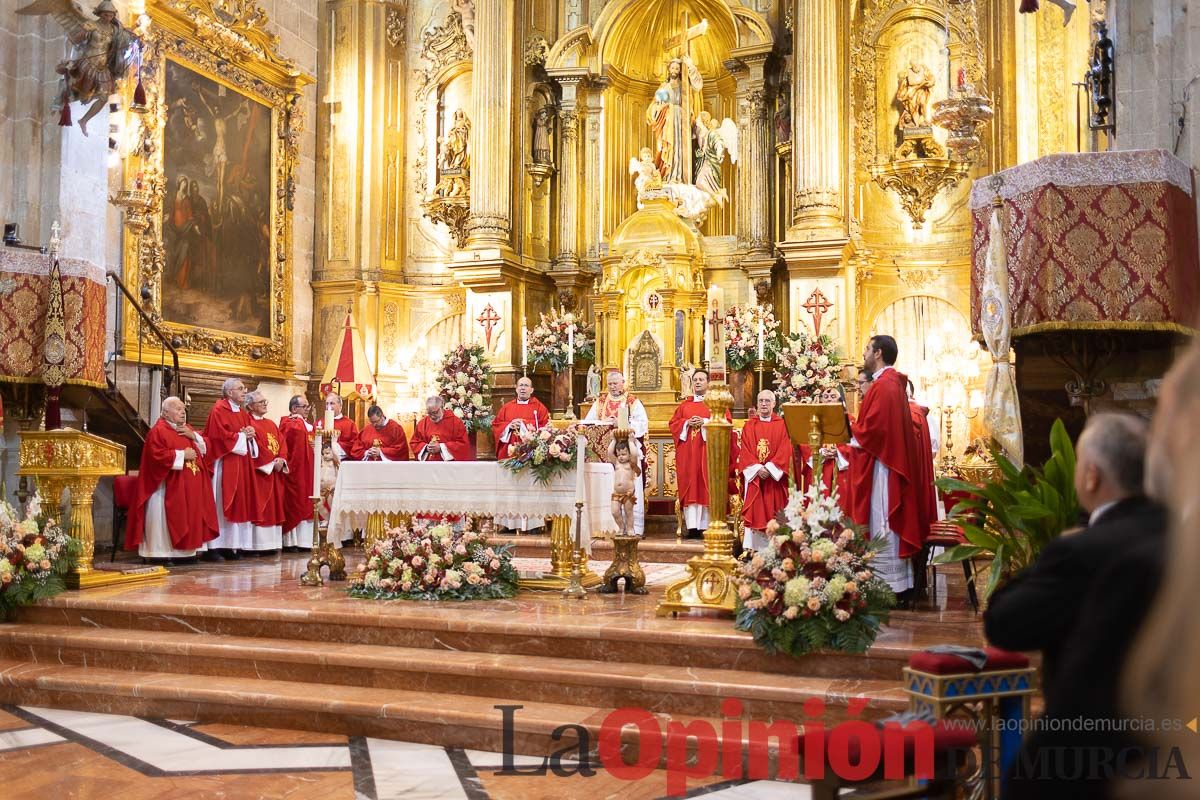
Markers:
<point>72,755</point>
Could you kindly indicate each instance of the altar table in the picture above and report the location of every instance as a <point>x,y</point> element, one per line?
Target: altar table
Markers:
<point>468,488</point>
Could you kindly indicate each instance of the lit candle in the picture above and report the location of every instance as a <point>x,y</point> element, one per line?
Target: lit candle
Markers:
<point>761,336</point>
<point>328,417</point>
<point>623,417</point>
<point>714,301</point>
<point>524,347</point>
<point>571,344</point>
<point>580,457</point>
<point>316,491</point>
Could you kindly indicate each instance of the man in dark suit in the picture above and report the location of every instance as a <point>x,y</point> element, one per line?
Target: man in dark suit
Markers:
<point>1080,604</point>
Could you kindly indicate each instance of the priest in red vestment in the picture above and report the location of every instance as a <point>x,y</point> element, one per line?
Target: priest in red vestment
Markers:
<point>270,479</point>
<point>763,459</point>
<point>886,479</point>
<point>296,432</point>
<point>343,446</point>
<point>525,412</point>
<point>173,513</point>
<point>233,446</point>
<point>440,436</point>
<point>691,455</point>
<point>381,440</point>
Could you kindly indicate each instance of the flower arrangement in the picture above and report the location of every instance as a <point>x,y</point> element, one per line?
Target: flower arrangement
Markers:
<point>813,587</point>
<point>545,452</point>
<point>806,368</point>
<point>35,557</point>
<point>434,563</point>
<point>741,335</point>
<point>464,382</point>
<point>549,341</point>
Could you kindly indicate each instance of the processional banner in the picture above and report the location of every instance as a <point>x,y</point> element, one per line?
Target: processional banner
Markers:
<point>1093,241</point>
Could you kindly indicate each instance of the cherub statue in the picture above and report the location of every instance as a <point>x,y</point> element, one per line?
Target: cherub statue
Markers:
<point>713,140</point>
<point>647,174</point>
<point>330,464</point>
<point>626,456</point>
<point>103,52</point>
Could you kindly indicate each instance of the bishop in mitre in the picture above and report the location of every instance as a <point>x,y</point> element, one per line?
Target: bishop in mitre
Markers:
<point>608,410</point>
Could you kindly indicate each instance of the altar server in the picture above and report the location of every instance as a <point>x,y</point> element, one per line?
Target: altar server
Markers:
<point>440,436</point>
<point>347,430</point>
<point>270,468</point>
<point>607,409</point>
<point>233,446</point>
<point>173,512</point>
<point>886,480</point>
<point>382,440</point>
<point>297,434</point>
<point>763,458</point>
<point>691,455</point>
<point>526,412</point>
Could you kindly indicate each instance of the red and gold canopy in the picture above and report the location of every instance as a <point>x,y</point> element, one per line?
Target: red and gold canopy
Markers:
<point>347,372</point>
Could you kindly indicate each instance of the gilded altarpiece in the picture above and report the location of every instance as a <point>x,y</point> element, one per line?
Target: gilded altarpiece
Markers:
<point>213,77</point>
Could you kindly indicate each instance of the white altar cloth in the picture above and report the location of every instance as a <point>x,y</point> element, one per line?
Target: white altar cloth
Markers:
<point>466,487</point>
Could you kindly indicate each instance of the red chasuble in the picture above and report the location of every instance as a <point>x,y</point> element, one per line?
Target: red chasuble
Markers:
<point>691,456</point>
<point>237,472</point>
<point>884,432</point>
<point>298,483</point>
<point>845,490</point>
<point>764,443</point>
<point>533,412</point>
<point>927,494</point>
<point>270,486</point>
<point>191,513</point>
<point>347,434</point>
<point>391,441</point>
<point>449,431</point>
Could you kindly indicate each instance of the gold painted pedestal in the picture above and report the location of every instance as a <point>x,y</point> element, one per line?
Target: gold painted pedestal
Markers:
<point>77,460</point>
<point>625,565</point>
<point>561,551</point>
<point>709,582</point>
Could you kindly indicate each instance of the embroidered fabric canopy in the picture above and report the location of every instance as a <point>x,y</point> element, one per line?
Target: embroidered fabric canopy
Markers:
<point>348,365</point>
<point>25,295</point>
<point>1093,241</point>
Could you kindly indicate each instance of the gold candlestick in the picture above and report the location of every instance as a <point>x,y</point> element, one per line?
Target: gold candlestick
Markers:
<point>575,590</point>
<point>814,447</point>
<point>760,366</point>
<point>312,575</point>
<point>570,412</point>
<point>709,583</point>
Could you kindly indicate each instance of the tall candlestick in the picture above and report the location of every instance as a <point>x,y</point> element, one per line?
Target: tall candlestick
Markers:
<point>316,492</point>
<point>580,458</point>
<point>623,417</point>
<point>571,344</point>
<point>761,336</point>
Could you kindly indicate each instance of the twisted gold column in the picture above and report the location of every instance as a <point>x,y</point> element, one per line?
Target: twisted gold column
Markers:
<point>709,582</point>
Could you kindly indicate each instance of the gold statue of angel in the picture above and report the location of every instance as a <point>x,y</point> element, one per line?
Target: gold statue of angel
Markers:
<point>103,52</point>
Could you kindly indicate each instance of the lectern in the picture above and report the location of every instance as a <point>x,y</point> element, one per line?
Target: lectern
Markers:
<point>816,425</point>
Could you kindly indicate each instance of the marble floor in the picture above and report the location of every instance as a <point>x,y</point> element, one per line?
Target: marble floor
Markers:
<point>75,755</point>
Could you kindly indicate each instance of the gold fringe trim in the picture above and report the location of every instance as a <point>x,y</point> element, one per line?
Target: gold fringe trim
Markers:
<point>1044,327</point>
<point>28,380</point>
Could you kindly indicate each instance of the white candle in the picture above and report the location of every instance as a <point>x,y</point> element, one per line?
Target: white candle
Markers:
<point>580,458</point>
<point>571,344</point>
<point>524,347</point>
<point>316,491</point>
<point>761,337</point>
<point>623,417</point>
<point>328,417</point>
<point>708,331</point>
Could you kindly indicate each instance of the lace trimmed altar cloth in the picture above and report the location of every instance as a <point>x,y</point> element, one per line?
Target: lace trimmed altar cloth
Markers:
<point>1093,241</point>
<point>477,488</point>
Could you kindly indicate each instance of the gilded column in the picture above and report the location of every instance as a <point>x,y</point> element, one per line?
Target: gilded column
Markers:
<point>490,223</point>
<point>817,103</point>
<point>758,161</point>
<point>568,200</point>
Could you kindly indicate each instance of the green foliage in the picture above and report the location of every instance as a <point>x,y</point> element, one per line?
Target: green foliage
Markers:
<point>1014,517</point>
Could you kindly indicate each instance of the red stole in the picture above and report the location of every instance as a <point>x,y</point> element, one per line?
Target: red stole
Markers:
<point>691,456</point>
<point>391,441</point>
<point>764,443</point>
<point>884,431</point>
<point>237,472</point>
<point>535,414</point>
<point>298,483</point>
<point>927,493</point>
<point>449,431</point>
<point>269,485</point>
<point>190,511</point>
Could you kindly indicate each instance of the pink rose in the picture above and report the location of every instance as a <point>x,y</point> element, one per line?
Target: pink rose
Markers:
<point>772,527</point>
<point>814,604</point>
<point>791,612</point>
<point>495,563</point>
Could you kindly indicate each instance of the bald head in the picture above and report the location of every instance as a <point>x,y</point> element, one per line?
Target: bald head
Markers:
<point>1110,459</point>
<point>524,389</point>
<point>766,403</point>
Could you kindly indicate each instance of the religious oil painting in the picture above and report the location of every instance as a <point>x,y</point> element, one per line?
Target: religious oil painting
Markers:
<point>217,209</point>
